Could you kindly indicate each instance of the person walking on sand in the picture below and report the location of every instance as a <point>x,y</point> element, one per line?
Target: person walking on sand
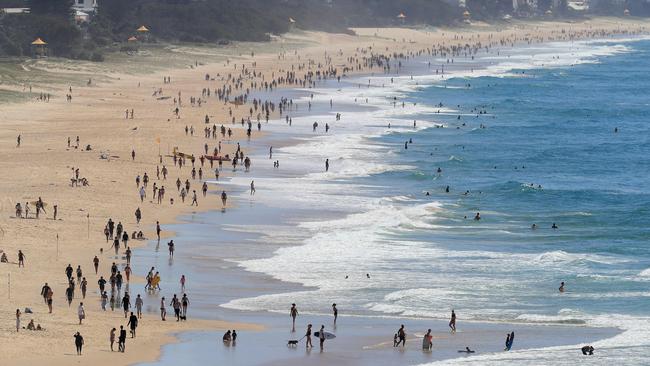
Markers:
<point>163,310</point>
<point>21,259</point>
<point>104,300</point>
<point>96,264</point>
<point>252,188</point>
<point>18,314</point>
<point>183,283</point>
<point>293,312</point>
<point>112,338</point>
<point>133,323</point>
<point>121,344</point>
<point>194,201</point>
<point>308,337</point>
<point>81,312</point>
<point>452,322</point>
<point>126,303</point>
<point>44,291</point>
<point>176,304</point>
<point>78,342</point>
<point>138,305</point>
<point>84,287</point>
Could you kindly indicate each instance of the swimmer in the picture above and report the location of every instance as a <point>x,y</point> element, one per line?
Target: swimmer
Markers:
<point>561,289</point>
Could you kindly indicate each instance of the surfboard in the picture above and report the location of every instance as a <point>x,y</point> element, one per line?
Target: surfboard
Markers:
<point>328,335</point>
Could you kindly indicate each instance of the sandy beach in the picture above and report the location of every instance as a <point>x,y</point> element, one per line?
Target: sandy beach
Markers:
<point>44,163</point>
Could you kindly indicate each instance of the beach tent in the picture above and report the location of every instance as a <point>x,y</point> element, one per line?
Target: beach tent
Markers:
<point>39,47</point>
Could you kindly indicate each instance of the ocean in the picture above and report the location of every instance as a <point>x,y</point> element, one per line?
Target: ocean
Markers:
<point>547,134</point>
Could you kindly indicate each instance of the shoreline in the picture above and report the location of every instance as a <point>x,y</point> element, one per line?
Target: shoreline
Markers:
<point>574,330</point>
<point>55,137</point>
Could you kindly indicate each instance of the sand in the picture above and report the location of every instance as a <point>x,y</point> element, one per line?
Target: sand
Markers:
<point>42,167</point>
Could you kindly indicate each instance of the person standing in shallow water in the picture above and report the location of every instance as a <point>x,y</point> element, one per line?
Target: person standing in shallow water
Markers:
<point>452,322</point>
<point>293,312</point>
<point>321,337</point>
<point>336,313</point>
<point>308,337</point>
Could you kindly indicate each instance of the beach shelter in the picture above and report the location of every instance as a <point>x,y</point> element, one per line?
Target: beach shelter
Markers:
<point>466,16</point>
<point>143,31</point>
<point>39,47</point>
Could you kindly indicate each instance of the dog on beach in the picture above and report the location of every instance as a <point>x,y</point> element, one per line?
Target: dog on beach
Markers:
<point>183,317</point>
<point>292,343</point>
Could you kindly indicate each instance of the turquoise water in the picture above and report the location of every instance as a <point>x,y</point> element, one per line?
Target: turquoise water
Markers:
<point>535,143</point>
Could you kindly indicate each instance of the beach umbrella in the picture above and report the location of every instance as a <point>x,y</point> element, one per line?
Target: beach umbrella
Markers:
<point>291,20</point>
<point>626,12</point>
<point>401,17</point>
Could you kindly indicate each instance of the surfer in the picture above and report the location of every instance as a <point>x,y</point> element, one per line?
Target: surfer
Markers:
<point>554,226</point>
<point>477,217</point>
<point>467,350</point>
<point>327,165</point>
<point>587,350</point>
<point>510,338</point>
<point>561,289</point>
